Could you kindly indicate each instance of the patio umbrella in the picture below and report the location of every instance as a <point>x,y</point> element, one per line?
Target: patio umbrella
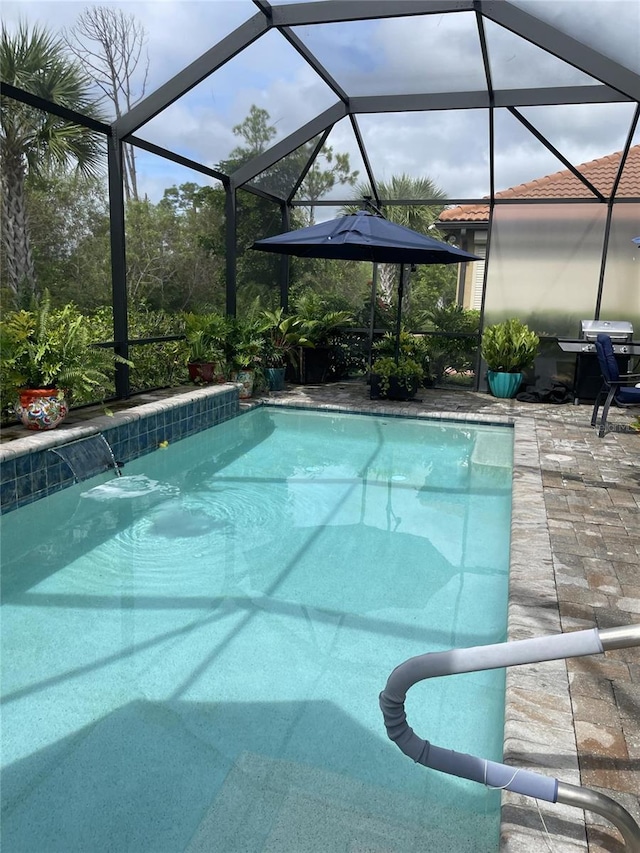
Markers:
<point>364,236</point>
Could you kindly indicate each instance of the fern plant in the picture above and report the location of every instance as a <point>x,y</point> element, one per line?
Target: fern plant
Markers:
<point>52,348</point>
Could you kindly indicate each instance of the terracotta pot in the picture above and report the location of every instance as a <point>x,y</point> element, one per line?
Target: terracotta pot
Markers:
<point>41,408</point>
<point>205,371</point>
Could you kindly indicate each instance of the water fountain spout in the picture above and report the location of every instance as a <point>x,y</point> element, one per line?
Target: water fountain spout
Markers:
<point>88,456</point>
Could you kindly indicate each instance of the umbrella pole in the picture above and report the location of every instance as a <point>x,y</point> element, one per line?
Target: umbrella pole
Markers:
<point>399,317</point>
<point>372,316</point>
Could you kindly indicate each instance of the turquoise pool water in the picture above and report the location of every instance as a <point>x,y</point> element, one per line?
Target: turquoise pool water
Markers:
<point>192,653</point>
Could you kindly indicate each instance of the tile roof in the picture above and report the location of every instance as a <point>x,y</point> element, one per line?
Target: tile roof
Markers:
<point>601,173</point>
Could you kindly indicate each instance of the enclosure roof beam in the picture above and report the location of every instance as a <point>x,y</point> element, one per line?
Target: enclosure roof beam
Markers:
<point>563,46</point>
<point>268,158</point>
<point>47,106</point>
<point>480,99</point>
<point>333,11</point>
<point>315,63</point>
<point>193,74</point>
<point>365,158</point>
<point>176,158</point>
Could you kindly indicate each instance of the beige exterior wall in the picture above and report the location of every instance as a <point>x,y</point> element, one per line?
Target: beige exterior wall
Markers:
<point>470,285</point>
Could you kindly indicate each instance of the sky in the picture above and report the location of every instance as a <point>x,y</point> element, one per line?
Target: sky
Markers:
<point>432,53</point>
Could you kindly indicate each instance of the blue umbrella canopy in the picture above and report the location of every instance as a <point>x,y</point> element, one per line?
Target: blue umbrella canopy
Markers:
<point>364,236</point>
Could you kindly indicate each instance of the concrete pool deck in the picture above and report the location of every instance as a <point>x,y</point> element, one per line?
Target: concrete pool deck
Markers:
<point>575,556</point>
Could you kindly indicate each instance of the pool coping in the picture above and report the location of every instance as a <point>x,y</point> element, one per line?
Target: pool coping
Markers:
<point>538,710</point>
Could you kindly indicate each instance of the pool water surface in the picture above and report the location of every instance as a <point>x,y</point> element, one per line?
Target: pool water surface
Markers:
<point>193,652</point>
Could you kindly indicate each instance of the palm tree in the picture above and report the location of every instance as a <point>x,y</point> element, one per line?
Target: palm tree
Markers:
<point>419,217</point>
<point>34,142</point>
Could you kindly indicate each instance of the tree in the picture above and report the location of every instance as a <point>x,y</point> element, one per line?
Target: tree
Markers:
<point>318,181</point>
<point>110,43</point>
<point>418,217</point>
<point>69,227</point>
<point>33,142</point>
<point>256,132</point>
<point>175,255</point>
<point>258,217</point>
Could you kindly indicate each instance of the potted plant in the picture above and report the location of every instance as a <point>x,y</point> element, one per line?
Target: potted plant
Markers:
<point>49,361</point>
<point>321,327</point>
<point>245,346</point>
<point>283,336</point>
<point>508,348</point>
<point>321,332</point>
<point>393,380</point>
<point>413,347</point>
<point>206,336</point>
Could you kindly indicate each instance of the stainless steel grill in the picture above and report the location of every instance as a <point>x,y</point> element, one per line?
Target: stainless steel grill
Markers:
<point>587,378</point>
<point>618,330</point>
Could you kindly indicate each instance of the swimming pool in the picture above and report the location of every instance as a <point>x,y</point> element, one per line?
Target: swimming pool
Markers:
<point>193,652</point>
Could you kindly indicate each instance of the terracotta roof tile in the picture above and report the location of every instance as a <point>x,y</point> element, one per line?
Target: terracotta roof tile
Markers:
<point>601,173</point>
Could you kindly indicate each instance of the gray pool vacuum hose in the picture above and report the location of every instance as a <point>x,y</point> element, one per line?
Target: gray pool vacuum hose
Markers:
<point>491,773</point>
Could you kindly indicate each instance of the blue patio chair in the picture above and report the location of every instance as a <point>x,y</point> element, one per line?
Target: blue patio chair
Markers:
<point>617,388</point>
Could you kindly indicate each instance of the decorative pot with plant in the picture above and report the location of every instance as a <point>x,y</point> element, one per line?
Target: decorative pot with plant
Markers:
<point>245,346</point>
<point>508,348</point>
<point>206,336</point>
<point>393,380</point>
<point>322,324</point>
<point>48,361</point>
<point>283,337</point>
<point>316,361</point>
<point>412,347</point>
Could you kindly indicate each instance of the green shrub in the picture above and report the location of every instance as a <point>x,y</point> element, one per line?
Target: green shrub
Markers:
<point>406,372</point>
<point>509,347</point>
<point>46,348</point>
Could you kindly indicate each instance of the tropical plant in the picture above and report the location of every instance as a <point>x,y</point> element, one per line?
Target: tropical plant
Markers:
<point>245,344</point>
<point>34,142</point>
<point>207,337</point>
<point>321,330</point>
<point>406,372</point>
<point>453,354</point>
<point>412,347</point>
<point>46,348</point>
<point>282,337</point>
<point>320,321</point>
<point>510,346</point>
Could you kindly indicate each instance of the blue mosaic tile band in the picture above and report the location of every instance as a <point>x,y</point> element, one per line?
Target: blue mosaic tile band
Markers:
<point>39,472</point>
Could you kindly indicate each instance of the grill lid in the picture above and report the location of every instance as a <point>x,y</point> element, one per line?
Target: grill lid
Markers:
<point>618,330</point>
